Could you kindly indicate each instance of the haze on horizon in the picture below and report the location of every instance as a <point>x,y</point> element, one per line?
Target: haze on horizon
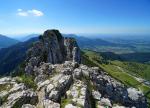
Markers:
<point>75,16</point>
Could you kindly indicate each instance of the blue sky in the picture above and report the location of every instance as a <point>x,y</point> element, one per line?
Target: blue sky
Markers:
<point>75,16</point>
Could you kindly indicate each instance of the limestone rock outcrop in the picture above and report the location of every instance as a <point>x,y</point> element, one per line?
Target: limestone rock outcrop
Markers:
<point>14,94</point>
<point>62,82</point>
<point>53,48</point>
<point>70,85</point>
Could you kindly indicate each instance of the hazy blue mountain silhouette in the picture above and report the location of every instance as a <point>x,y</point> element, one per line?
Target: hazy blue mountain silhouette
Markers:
<point>7,41</point>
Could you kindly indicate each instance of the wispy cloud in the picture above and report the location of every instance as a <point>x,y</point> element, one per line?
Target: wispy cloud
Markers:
<point>32,12</point>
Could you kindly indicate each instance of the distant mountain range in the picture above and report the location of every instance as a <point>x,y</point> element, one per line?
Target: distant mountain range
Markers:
<point>26,37</point>
<point>12,56</point>
<point>95,43</point>
<point>7,41</point>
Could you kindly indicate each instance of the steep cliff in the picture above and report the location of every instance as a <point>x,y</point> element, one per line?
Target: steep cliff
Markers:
<point>53,48</point>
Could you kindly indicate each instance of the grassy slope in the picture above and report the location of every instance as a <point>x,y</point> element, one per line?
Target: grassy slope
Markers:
<point>128,80</point>
<point>137,69</point>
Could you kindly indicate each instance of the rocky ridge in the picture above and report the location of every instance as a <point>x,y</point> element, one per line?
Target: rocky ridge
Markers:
<point>63,82</point>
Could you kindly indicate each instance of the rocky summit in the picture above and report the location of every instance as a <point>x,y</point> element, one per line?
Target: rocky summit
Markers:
<point>62,81</point>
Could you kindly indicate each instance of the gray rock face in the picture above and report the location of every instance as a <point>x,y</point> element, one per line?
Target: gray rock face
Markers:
<point>17,87</point>
<point>42,72</point>
<point>116,92</point>
<point>77,73</point>
<point>74,84</point>
<point>50,104</point>
<point>6,80</point>
<point>70,106</point>
<point>52,48</point>
<point>21,97</point>
<point>133,94</point>
<point>31,65</point>
<point>96,95</point>
<point>54,92</point>
<point>73,51</point>
<point>28,106</point>
<point>78,94</point>
<point>105,102</point>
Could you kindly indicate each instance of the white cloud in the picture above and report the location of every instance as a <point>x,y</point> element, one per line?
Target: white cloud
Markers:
<point>35,12</point>
<point>23,14</point>
<point>19,10</point>
<point>32,12</point>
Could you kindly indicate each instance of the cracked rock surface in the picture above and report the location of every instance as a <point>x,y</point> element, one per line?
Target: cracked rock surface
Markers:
<point>71,90</point>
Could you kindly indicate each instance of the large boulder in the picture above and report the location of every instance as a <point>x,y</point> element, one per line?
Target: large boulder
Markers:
<point>19,98</point>
<point>77,73</point>
<point>59,88</point>
<point>70,106</point>
<point>134,94</point>
<point>17,87</point>
<point>28,106</point>
<point>137,98</point>
<point>50,104</point>
<point>6,80</point>
<point>96,95</point>
<point>105,102</point>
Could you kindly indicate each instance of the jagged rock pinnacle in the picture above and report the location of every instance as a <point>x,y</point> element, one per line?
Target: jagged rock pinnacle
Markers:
<point>52,48</point>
